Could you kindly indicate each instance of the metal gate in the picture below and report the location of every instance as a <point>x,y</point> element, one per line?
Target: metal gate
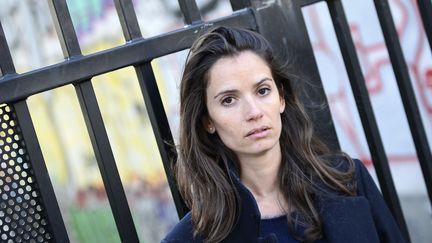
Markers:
<point>28,207</point>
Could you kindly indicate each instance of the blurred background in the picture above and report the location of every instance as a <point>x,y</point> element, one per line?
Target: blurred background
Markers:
<point>66,145</point>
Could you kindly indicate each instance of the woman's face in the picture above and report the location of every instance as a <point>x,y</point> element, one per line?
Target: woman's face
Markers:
<point>244,105</point>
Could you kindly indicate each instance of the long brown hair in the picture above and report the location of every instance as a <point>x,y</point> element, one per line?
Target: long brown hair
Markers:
<point>203,165</point>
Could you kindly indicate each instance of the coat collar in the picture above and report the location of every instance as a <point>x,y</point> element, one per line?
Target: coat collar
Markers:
<point>344,218</point>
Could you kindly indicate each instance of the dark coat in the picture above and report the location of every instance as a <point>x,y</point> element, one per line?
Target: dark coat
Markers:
<point>353,219</point>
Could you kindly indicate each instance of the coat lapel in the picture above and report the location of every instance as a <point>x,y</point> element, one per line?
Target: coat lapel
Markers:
<point>347,219</point>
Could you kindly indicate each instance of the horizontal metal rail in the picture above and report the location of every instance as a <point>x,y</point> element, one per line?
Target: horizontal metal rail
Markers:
<point>79,68</point>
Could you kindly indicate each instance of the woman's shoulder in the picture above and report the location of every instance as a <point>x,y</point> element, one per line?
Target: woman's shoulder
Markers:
<point>360,174</point>
<point>343,168</point>
<point>182,232</point>
<point>344,163</point>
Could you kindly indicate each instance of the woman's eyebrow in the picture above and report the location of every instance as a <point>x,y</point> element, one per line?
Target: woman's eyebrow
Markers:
<point>230,91</point>
<point>262,81</point>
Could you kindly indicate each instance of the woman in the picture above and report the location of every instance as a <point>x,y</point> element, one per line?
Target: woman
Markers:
<point>250,167</point>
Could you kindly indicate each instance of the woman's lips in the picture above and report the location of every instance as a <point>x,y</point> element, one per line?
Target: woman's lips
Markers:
<point>258,132</point>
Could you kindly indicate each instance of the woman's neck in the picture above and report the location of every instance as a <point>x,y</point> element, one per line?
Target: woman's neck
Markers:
<point>260,175</point>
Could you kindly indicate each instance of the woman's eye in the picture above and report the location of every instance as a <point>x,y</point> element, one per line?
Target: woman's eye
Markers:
<point>263,91</point>
<point>227,101</point>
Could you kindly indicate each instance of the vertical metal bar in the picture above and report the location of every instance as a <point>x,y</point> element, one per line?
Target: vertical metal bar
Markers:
<point>154,107</point>
<point>309,2</point>
<point>126,13</point>
<point>64,28</point>
<point>240,4</point>
<point>106,162</point>
<point>282,24</point>
<point>425,8</point>
<point>96,129</point>
<point>315,95</point>
<point>406,91</point>
<point>367,117</point>
<point>159,121</point>
<point>40,171</point>
<point>6,64</point>
<point>190,11</point>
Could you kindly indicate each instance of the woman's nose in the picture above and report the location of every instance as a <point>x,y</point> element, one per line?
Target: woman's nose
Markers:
<point>253,110</point>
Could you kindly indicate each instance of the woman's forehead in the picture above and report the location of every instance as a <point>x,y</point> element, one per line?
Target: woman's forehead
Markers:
<point>247,67</point>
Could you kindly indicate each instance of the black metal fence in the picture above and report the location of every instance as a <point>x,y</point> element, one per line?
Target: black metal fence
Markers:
<point>28,207</point>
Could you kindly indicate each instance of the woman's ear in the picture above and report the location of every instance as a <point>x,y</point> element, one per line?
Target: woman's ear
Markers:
<point>208,125</point>
<point>281,92</point>
<point>282,104</point>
